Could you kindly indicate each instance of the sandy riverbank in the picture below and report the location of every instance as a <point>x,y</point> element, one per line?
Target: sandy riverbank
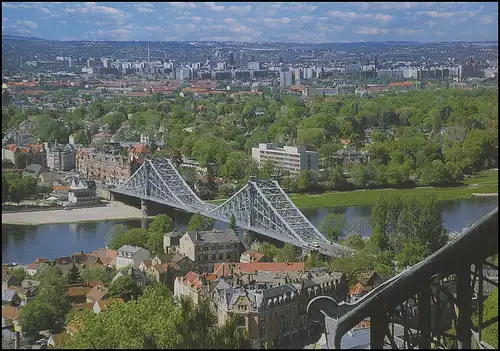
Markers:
<point>115,210</point>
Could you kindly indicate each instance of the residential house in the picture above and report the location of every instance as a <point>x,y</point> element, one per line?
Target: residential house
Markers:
<point>33,170</point>
<point>131,256</point>
<point>237,268</point>
<point>77,294</point>
<point>276,314</point>
<point>192,285</point>
<point>250,256</point>
<point>99,306</point>
<point>171,241</point>
<point>165,273</point>
<point>145,265</point>
<point>139,277</point>
<point>32,268</point>
<point>10,298</point>
<point>48,178</point>
<point>206,248</point>
<point>82,193</point>
<point>366,282</point>
<point>10,317</point>
<point>60,157</point>
<point>9,280</point>
<point>82,306</point>
<point>98,293</point>
<point>106,256</point>
<point>184,262</point>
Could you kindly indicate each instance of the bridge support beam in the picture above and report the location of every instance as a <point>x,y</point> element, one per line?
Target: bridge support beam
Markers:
<point>111,196</point>
<point>424,319</point>
<point>378,328</point>
<point>464,297</point>
<point>144,214</point>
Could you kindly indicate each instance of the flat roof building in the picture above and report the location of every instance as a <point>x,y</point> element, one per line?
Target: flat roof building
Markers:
<point>291,158</point>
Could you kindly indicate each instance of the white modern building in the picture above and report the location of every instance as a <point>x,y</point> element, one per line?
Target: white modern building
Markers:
<point>285,79</point>
<point>291,158</point>
<point>131,256</point>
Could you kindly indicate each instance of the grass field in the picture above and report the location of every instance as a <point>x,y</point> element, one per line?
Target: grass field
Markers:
<point>486,182</point>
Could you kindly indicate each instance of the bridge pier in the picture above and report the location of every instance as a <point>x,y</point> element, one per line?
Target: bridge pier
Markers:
<point>144,214</point>
<point>112,196</point>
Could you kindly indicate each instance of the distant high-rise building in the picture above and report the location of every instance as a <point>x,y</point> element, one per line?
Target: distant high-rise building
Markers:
<point>184,74</point>
<point>221,65</point>
<point>91,62</point>
<point>149,55</point>
<point>296,74</point>
<point>308,72</point>
<point>230,59</point>
<point>254,65</point>
<point>285,79</point>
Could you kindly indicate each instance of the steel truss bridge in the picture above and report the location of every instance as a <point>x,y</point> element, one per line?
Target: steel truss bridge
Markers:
<point>423,301</point>
<point>260,206</point>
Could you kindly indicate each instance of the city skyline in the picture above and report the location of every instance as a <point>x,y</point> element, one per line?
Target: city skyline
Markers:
<point>254,22</point>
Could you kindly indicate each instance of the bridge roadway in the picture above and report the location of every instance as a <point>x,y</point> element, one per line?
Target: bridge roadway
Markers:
<point>260,206</point>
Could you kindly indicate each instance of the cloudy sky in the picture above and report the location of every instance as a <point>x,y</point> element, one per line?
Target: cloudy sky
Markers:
<point>271,21</point>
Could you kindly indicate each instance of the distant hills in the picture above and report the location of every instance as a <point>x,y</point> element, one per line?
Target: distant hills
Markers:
<point>18,37</point>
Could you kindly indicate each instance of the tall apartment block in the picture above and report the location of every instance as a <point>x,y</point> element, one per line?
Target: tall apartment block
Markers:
<point>290,158</point>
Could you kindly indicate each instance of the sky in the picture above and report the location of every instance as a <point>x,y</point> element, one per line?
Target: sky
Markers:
<point>254,21</point>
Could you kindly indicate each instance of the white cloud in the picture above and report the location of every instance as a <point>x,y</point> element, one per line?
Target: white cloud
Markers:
<point>29,24</point>
<point>62,22</point>
<point>349,15</point>
<point>240,10</point>
<point>44,10</point>
<point>16,5</point>
<point>276,22</point>
<point>437,14</point>
<point>144,7</point>
<point>196,18</point>
<point>5,19</point>
<point>91,8</point>
<point>183,5</point>
<point>301,7</point>
<point>114,34</point>
<point>487,19</point>
<point>371,30</point>
<point>405,31</point>
<point>214,7</point>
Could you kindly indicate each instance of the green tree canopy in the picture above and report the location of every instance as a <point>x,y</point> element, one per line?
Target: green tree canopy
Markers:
<point>124,287</point>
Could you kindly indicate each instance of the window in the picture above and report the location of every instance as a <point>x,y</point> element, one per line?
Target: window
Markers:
<point>214,247</point>
<point>221,256</point>
<point>221,247</point>
<point>198,258</point>
<point>235,246</point>
<point>120,253</point>
<point>129,255</point>
<point>213,257</point>
<point>228,255</point>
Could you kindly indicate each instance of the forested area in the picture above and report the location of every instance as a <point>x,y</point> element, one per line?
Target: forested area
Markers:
<point>433,137</point>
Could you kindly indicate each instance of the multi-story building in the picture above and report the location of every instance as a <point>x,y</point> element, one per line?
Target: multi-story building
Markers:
<point>206,248</point>
<point>60,157</point>
<point>110,167</point>
<point>286,79</point>
<point>82,193</point>
<point>131,256</point>
<point>276,314</point>
<point>290,158</point>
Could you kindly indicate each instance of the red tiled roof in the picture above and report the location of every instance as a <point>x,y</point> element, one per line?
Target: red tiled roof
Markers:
<point>141,149</point>
<point>60,187</point>
<point>33,266</point>
<point>93,284</point>
<point>82,306</point>
<point>225,267</point>
<point>78,291</point>
<point>104,303</point>
<point>97,293</point>
<point>10,313</point>
<point>164,267</point>
<point>253,255</point>
<point>401,84</point>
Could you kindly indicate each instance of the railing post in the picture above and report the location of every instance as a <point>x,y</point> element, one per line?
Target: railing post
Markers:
<point>424,318</point>
<point>378,328</point>
<point>464,301</point>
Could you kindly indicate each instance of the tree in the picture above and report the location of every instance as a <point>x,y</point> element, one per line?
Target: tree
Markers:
<point>412,253</point>
<point>73,276</point>
<point>332,226</point>
<point>305,179</point>
<point>37,316</point>
<point>288,253</point>
<point>337,178</point>
<point>314,260</point>
<point>115,231</point>
<point>199,222</point>
<point>16,190</point>
<point>124,287</point>
<point>355,241</point>
<point>234,167</point>
<point>30,187</point>
<point>133,237</point>
<point>359,175</point>
<point>20,160</point>
<point>98,274</point>
<point>268,250</point>
<point>232,223</point>
<point>5,189</point>
<point>157,228</point>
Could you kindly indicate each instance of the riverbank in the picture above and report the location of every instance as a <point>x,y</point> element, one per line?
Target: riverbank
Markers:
<point>113,211</point>
<point>485,182</point>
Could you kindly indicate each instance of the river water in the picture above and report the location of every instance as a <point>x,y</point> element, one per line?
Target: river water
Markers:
<point>23,244</point>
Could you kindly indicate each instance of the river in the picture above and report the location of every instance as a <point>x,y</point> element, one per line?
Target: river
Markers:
<point>23,244</point>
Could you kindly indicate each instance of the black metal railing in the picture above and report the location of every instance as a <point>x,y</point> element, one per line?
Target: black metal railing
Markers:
<point>425,300</point>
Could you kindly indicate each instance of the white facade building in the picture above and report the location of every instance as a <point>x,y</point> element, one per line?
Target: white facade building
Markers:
<point>290,158</point>
<point>308,72</point>
<point>285,79</point>
<point>131,256</point>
